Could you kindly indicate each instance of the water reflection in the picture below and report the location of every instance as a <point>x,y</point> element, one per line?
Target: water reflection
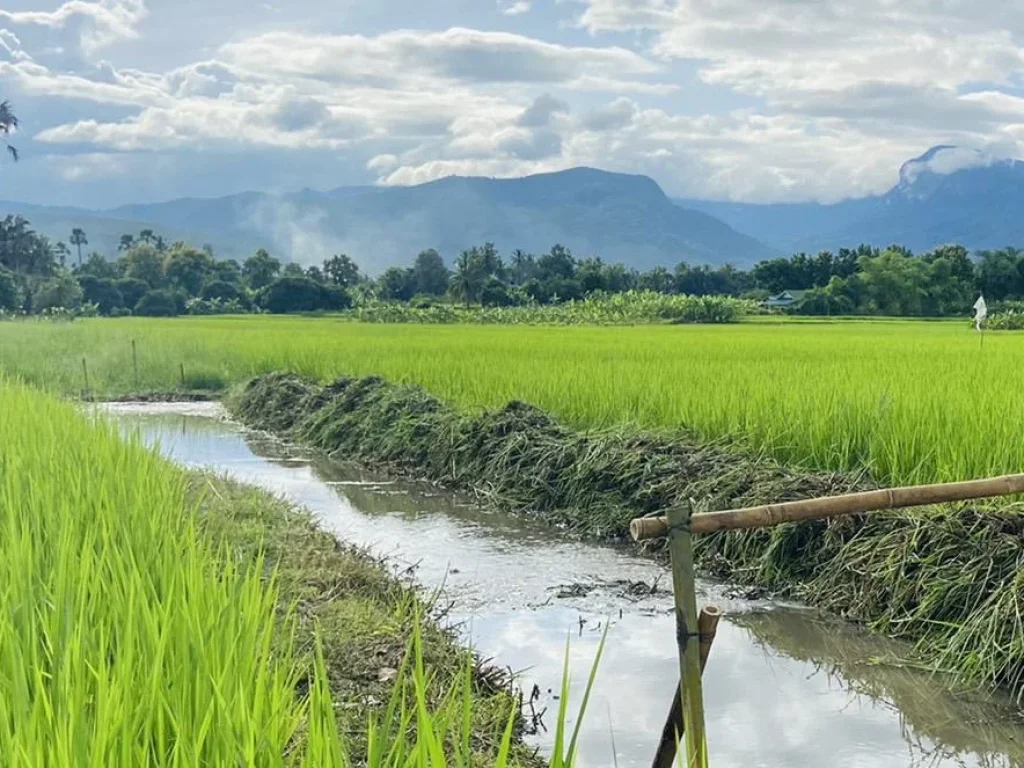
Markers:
<point>783,687</point>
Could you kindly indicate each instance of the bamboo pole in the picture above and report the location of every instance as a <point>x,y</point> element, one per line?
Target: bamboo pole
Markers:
<point>834,506</point>
<point>135,365</point>
<point>684,585</point>
<point>87,392</point>
<point>671,734</point>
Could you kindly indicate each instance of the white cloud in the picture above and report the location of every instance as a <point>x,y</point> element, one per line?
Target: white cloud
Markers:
<point>96,24</point>
<point>462,55</point>
<point>518,8</point>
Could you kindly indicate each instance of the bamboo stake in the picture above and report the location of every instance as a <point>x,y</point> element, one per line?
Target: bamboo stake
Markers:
<point>685,590</point>
<point>834,506</point>
<point>87,394</point>
<point>135,364</point>
<point>182,376</point>
<point>671,734</point>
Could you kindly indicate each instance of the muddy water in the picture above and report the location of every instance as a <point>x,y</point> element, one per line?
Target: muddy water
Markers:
<point>783,687</point>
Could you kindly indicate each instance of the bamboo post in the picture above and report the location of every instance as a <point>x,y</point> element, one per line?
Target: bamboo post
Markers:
<point>182,376</point>
<point>671,734</point>
<point>135,364</point>
<point>834,506</point>
<point>87,393</point>
<point>685,590</point>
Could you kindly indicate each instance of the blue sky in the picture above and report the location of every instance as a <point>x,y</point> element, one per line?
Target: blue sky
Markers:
<point>760,100</point>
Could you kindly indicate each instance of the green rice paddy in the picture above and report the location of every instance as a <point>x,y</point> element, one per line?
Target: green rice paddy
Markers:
<point>909,401</point>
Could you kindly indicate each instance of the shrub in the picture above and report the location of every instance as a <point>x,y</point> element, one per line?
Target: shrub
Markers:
<point>157,304</point>
<point>300,294</point>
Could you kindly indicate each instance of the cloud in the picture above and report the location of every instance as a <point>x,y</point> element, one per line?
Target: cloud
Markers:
<point>771,47</point>
<point>93,25</point>
<point>518,8</point>
<point>463,55</point>
<point>541,112</point>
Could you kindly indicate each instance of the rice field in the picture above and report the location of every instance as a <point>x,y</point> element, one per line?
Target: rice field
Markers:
<point>124,640</point>
<point>154,617</point>
<point>910,401</point>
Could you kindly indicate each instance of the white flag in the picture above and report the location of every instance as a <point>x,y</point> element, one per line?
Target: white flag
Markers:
<point>980,312</point>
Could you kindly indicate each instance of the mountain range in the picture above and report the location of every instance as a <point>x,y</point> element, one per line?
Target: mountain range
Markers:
<point>621,218</point>
<point>948,194</point>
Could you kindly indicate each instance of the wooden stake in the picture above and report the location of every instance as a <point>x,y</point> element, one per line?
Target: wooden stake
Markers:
<point>671,734</point>
<point>685,589</point>
<point>87,394</point>
<point>135,365</point>
<point>183,376</point>
<point>834,506</point>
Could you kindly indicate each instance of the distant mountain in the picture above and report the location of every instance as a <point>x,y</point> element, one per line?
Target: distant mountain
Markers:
<point>948,194</point>
<point>618,217</point>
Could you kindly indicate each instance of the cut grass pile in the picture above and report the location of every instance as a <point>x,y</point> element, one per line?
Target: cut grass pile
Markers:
<point>154,617</point>
<point>950,577</point>
<point>908,401</point>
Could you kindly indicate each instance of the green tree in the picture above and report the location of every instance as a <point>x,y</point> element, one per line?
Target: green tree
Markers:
<point>431,274</point>
<point>8,125</point>
<point>61,290</point>
<point>396,284</point>
<point>260,270</point>
<point>340,270</point>
<point>78,239</point>
<point>12,295</point>
<point>132,289</point>
<point>61,253</point>
<point>143,262</point>
<point>102,292</point>
<point>894,283</point>
<point>187,269</point>
<point>158,303</point>
<point>470,276</point>
<point>97,266</point>
<point>291,269</point>
<point>557,263</point>
<point>998,274</point>
<point>23,250</point>
<point>127,241</point>
<point>300,294</point>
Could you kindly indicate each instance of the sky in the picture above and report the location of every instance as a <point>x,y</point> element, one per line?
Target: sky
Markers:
<point>126,101</point>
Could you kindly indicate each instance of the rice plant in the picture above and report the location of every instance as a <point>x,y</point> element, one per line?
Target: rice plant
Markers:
<point>908,401</point>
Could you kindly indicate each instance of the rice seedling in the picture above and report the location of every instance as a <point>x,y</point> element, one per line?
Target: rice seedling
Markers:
<point>908,401</point>
<point>153,617</point>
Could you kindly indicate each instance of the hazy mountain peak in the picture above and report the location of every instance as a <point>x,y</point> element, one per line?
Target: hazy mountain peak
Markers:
<point>922,175</point>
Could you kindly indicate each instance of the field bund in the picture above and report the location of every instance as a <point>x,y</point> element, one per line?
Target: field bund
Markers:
<point>949,577</point>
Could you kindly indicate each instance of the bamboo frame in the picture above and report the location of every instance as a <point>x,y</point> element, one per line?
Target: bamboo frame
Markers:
<point>833,506</point>
<point>671,734</point>
<point>684,583</point>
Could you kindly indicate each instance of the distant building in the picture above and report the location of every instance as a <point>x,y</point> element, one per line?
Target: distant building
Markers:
<point>785,299</point>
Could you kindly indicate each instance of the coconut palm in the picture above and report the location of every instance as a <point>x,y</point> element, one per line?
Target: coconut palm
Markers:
<point>78,239</point>
<point>8,124</point>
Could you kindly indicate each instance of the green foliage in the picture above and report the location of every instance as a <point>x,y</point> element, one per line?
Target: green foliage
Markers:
<point>300,294</point>
<point>396,284</point>
<point>159,303</point>
<point>431,274</point>
<point>143,262</point>
<point>102,292</point>
<point>629,308</point>
<point>12,295</point>
<point>260,269</point>
<point>187,269</point>
<point>341,271</point>
<point>61,290</point>
<point>24,251</point>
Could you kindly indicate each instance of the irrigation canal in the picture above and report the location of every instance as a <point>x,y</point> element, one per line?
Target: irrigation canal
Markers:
<point>783,686</point>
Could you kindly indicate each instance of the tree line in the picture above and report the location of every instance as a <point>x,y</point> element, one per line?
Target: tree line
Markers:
<point>151,277</point>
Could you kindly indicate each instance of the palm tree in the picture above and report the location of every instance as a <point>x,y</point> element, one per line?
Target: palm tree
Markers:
<point>8,124</point>
<point>78,239</point>
<point>468,279</point>
<point>62,252</point>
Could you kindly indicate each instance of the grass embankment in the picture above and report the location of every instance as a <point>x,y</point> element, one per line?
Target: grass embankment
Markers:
<point>150,616</point>
<point>908,401</point>
<point>951,578</point>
